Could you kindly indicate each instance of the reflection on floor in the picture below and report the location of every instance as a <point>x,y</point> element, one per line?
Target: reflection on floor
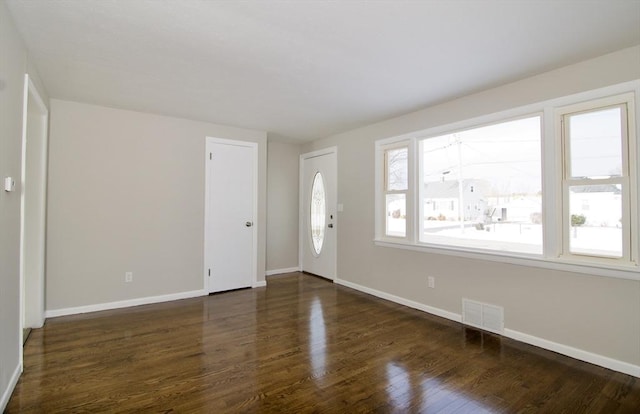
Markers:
<point>300,345</point>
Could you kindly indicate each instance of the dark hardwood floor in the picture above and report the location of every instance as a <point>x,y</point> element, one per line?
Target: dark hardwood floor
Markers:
<point>301,345</point>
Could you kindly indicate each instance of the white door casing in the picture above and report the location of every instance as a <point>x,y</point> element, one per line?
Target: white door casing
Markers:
<point>33,207</point>
<point>319,258</point>
<point>230,215</point>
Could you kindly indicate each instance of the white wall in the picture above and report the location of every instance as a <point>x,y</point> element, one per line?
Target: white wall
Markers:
<point>282,205</point>
<point>12,68</point>
<point>14,63</point>
<point>126,193</point>
<point>598,315</point>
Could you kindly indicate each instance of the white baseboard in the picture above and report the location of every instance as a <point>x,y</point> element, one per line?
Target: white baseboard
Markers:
<point>124,303</point>
<point>281,271</point>
<point>406,302</point>
<point>576,353</point>
<point>13,381</point>
<point>569,351</point>
<point>261,283</point>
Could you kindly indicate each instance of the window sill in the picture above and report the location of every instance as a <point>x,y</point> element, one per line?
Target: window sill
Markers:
<point>620,272</point>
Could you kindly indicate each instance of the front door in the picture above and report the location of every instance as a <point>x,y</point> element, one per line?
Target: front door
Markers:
<point>318,239</point>
<point>230,228</point>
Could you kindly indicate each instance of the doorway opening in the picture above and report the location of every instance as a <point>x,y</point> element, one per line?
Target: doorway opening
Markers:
<point>33,209</point>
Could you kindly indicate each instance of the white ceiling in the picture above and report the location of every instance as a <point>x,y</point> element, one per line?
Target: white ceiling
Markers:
<point>306,69</point>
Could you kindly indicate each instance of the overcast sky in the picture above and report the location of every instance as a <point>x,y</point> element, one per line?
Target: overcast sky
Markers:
<point>506,154</point>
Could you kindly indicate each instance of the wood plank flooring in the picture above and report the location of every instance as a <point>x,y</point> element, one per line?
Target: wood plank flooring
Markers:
<point>300,345</point>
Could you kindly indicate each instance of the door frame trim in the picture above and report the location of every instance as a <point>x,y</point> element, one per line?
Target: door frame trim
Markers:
<point>31,92</point>
<point>254,146</point>
<point>303,158</point>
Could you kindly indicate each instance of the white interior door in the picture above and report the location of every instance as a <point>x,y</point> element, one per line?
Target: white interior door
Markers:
<point>230,228</point>
<point>318,220</point>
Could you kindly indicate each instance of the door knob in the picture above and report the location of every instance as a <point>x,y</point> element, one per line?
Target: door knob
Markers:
<point>248,224</point>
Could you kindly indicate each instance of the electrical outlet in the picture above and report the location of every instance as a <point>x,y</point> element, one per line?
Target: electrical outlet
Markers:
<point>128,277</point>
<point>431,282</point>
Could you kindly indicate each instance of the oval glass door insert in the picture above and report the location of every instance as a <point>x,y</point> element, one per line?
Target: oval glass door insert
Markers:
<point>318,213</point>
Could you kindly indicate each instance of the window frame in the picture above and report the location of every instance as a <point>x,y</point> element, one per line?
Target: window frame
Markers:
<point>382,159</point>
<point>552,154</point>
<point>627,179</point>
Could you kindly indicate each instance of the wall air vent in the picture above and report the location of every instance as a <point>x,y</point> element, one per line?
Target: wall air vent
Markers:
<point>483,315</point>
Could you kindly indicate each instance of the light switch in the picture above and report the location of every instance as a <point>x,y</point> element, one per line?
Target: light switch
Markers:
<point>9,184</point>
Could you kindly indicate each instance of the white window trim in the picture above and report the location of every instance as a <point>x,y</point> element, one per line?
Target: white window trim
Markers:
<point>628,180</point>
<point>551,187</point>
<point>381,184</point>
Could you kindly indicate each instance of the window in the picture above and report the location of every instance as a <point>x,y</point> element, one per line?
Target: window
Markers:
<point>596,183</point>
<point>557,184</point>
<point>318,213</point>
<point>481,187</point>
<point>396,185</point>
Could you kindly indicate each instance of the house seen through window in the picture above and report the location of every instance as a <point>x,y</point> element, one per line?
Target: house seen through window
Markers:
<point>482,187</point>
